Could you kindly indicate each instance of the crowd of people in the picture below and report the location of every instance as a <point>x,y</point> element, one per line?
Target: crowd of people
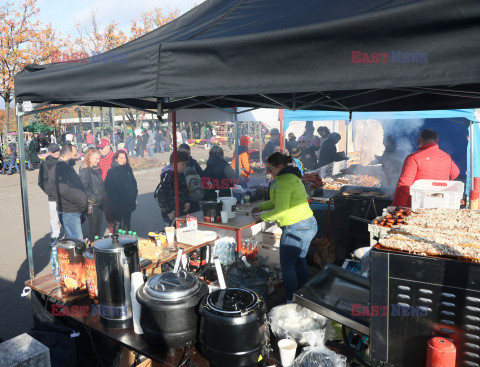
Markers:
<point>104,187</point>
<point>309,151</point>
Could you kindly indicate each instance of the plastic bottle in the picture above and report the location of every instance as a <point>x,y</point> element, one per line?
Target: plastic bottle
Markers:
<point>55,265</point>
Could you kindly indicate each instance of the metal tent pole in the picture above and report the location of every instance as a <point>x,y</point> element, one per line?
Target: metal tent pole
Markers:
<point>23,188</point>
<point>472,164</point>
<point>237,138</point>
<point>281,130</point>
<point>175,163</point>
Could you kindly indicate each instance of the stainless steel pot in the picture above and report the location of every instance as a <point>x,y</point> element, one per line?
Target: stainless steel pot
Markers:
<point>116,258</point>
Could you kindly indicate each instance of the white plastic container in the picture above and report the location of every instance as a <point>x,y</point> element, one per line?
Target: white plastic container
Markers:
<point>229,205</point>
<point>269,254</point>
<point>436,194</point>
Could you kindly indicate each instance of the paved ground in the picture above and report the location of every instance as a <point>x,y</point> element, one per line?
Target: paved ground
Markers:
<point>15,311</point>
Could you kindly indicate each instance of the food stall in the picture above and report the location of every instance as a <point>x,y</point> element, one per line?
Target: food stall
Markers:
<point>233,64</point>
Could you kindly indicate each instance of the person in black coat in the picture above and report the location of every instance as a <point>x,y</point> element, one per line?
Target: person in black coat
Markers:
<point>91,177</point>
<point>165,192</point>
<point>218,175</point>
<point>328,151</point>
<point>69,192</point>
<point>121,188</point>
<point>43,183</point>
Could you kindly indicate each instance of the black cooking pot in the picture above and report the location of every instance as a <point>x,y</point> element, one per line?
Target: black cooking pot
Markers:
<point>233,328</point>
<point>169,308</point>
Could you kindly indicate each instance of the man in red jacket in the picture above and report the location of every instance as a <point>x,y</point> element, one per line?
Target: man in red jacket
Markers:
<point>428,163</point>
<point>106,157</point>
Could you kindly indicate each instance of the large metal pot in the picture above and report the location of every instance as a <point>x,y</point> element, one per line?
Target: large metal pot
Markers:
<point>116,258</point>
<point>169,314</point>
<point>233,328</point>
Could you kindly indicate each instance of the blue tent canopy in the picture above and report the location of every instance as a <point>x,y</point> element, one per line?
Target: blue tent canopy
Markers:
<point>452,126</point>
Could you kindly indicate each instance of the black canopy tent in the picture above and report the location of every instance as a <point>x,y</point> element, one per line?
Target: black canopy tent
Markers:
<point>373,55</point>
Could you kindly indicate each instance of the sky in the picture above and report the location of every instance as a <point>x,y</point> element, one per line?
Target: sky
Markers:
<point>64,14</point>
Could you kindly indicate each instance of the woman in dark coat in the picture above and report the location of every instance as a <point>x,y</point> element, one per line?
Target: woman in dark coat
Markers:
<point>121,189</point>
<point>91,177</point>
<point>218,175</point>
<point>32,152</point>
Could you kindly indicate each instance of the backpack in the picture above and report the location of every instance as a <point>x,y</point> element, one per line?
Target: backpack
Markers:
<point>194,184</point>
<point>9,150</point>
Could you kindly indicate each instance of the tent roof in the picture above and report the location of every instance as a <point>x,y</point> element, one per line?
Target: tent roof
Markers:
<point>284,54</point>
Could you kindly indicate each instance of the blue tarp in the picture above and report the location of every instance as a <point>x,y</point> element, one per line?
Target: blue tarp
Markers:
<point>451,125</point>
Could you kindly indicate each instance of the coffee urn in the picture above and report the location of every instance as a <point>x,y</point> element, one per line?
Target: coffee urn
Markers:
<point>116,258</point>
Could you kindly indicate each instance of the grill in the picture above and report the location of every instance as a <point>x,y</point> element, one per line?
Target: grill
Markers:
<point>426,297</point>
<point>364,202</point>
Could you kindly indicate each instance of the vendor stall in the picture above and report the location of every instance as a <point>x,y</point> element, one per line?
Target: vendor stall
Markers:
<point>241,54</point>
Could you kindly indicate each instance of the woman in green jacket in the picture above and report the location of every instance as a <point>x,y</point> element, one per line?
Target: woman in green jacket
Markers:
<point>289,208</point>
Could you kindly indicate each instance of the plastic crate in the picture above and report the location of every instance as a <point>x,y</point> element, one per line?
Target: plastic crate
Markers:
<point>436,194</point>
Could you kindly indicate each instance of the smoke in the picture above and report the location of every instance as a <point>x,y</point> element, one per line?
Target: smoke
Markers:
<point>400,140</point>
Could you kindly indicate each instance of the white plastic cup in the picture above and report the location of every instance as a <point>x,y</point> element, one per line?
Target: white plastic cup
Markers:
<point>170,234</point>
<point>288,349</point>
<point>224,215</point>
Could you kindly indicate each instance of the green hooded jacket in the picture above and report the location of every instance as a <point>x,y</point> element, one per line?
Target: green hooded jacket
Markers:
<point>288,199</point>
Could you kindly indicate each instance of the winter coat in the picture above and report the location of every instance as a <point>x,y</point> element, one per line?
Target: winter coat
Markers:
<point>43,175</point>
<point>288,202</point>
<point>243,157</point>
<point>67,188</point>
<point>129,143</point>
<point>13,151</point>
<point>92,182</point>
<point>166,197</point>
<point>428,162</point>
<point>268,149</point>
<point>151,139</point>
<point>32,152</point>
<point>328,151</point>
<point>121,187</point>
<point>218,175</point>
<point>145,139</point>
<point>105,163</point>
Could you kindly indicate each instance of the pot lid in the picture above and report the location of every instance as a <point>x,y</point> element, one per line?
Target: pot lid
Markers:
<point>232,300</point>
<point>171,286</point>
<point>108,244</point>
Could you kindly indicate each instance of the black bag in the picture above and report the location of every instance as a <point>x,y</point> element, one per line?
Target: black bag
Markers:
<point>156,193</point>
<point>255,278</point>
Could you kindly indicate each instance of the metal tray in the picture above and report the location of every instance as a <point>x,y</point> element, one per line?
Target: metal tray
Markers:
<point>333,292</point>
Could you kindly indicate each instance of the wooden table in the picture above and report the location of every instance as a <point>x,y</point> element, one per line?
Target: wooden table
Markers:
<point>237,224</point>
<point>47,286</point>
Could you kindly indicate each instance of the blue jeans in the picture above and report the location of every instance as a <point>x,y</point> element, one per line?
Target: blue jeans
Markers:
<point>294,245</point>
<point>150,152</point>
<point>13,162</point>
<point>72,224</point>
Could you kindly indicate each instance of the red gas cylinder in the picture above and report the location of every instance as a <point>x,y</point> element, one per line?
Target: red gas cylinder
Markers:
<point>441,353</point>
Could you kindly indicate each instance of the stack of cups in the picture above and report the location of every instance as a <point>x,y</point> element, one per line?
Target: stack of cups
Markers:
<point>475,194</point>
<point>170,234</point>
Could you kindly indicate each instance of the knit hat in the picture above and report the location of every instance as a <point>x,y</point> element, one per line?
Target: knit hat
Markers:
<point>295,152</point>
<point>244,141</point>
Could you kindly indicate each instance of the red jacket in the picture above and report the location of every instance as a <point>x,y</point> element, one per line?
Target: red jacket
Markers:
<point>105,164</point>
<point>428,163</point>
